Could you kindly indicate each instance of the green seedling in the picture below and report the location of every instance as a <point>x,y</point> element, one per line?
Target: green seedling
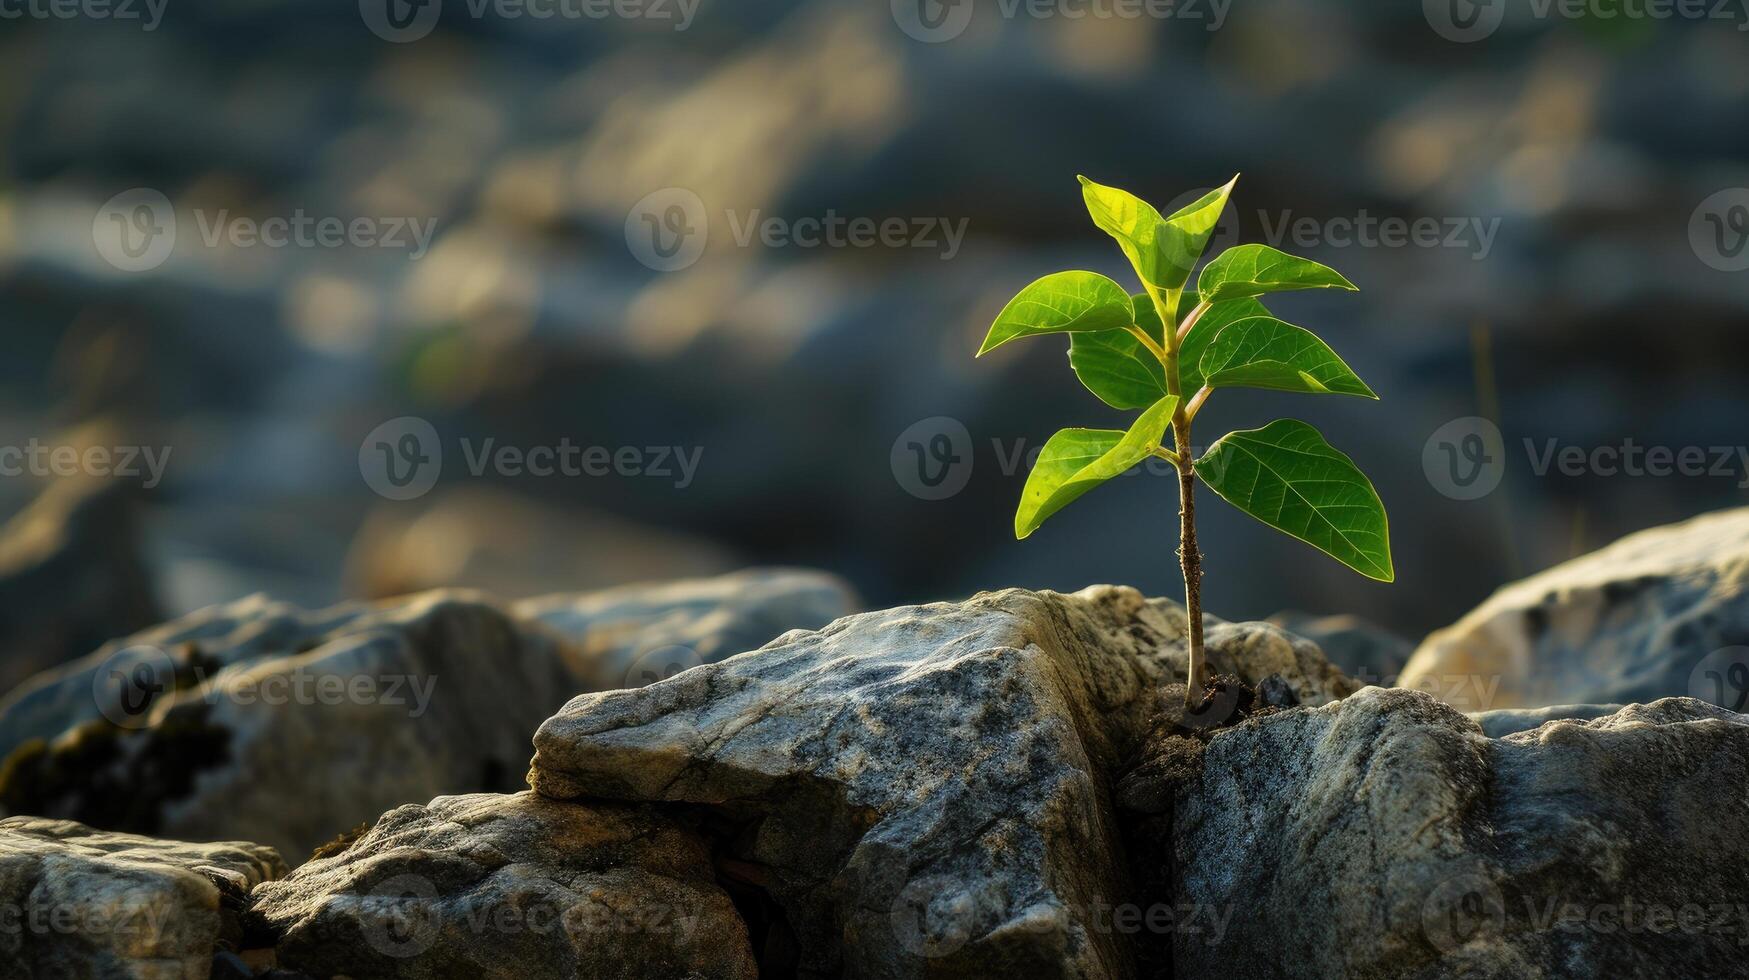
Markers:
<point>1165,350</point>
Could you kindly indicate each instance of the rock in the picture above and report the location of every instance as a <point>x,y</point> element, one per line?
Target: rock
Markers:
<point>1385,836</point>
<point>1363,650</point>
<point>922,791</point>
<point>1257,652</point>
<point>264,721</point>
<point>1660,613</point>
<point>1507,721</point>
<point>512,887</point>
<point>1274,692</point>
<point>71,576</point>
<point>635,634</point>
<point>84,903</point>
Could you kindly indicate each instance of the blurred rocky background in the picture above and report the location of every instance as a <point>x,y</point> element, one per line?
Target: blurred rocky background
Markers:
<point>1581,300</point>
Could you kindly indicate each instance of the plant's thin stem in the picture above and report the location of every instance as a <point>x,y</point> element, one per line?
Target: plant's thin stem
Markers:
<point>1148,342</point>
<point>1196,401</point>
<point>1165,454</point>
<point>1190,562</point>
<point>1190,321</point>
<point>1189,558</point>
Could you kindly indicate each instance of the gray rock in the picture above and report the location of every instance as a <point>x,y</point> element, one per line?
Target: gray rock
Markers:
<point>1363,650</point>
<point>1664,612</point>
<point>1385,836</point>
<point>635,634</point>
<point>1257,652</point>
<point>924,790</point>
<point>511,887</point>
<point>1508,721</point>
<point>84,903</point>
<point>263,721</point>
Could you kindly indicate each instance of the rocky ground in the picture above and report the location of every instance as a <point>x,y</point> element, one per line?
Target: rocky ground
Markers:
<point>1008,785</point>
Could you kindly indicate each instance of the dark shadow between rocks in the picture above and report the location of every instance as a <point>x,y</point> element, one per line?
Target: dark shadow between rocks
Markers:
<point>1169,756</point>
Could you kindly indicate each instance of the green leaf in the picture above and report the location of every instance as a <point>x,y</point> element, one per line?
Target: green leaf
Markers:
<point>1162,250</point>
<point>1207,328</point>
<point>1148,317</point>
<point>1063,301</point>
<point>1075,461</point>
<point>1288,477</point>
<point>1189,228</point>
<point>1136,226</point>
<point>1115,366</point>
<point>1263,352</point>
<point>1252,270</point>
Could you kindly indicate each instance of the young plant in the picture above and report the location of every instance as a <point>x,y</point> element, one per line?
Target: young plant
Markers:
<point>1164,351</point>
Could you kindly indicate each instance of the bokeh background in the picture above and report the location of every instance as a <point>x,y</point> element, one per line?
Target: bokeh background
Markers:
<point>1596,311</point>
